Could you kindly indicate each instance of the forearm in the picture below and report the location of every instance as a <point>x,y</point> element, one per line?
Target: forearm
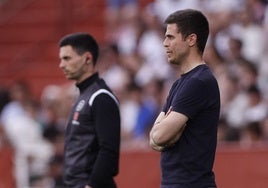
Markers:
<point>156,135</point>
<point>159,118</point>
<point>162,146</point>
<point>167,131</point>
<point>152,143</point>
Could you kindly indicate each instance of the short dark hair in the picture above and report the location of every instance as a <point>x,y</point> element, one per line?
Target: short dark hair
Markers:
<point>190,21</point>
<point>81,43</point>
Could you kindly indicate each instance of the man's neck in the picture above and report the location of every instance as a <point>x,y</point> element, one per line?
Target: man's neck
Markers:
<point>191,63</point>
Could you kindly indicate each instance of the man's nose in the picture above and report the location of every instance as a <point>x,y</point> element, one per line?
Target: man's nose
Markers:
<point>61,64</point>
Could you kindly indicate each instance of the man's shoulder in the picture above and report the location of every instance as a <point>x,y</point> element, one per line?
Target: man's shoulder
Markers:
<point>100,92</point>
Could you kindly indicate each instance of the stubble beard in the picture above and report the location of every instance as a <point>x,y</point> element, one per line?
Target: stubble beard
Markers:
<point>173,61</point>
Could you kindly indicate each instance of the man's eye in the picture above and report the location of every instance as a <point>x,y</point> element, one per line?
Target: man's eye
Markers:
<point>66,58</point>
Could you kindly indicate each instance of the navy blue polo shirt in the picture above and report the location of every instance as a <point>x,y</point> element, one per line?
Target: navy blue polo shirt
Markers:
<point>189,163</point>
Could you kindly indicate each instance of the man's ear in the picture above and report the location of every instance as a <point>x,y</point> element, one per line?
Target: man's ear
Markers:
<point>191,39</point>
<point>89,58</point>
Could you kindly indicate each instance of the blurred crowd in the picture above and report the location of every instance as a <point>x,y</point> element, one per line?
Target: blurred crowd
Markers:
<point>133,62</point>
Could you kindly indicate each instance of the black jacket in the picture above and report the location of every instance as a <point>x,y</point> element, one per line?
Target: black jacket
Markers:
<point>92,140</point>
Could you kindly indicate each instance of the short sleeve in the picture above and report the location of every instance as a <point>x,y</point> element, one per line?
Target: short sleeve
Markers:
<point>191,98</point>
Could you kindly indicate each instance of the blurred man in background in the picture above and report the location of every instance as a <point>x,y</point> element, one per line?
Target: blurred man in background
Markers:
<point>92,141</point>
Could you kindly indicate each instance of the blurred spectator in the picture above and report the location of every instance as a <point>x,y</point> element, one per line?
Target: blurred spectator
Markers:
<point>251,134</point>
<point>256,109</point>
<point>4,97</point>
<point>4,100</point>
<point>150,105</point>
<point>264,127</point>
<point>129,107</point>
<point>227,133</point>
<point>222,129</point>
<point>53,115</point>
<point>247,74</point>
<point>118,11</point>
<point>112,69</point>
<point>164,8</point>
<point>258,8</point>
<point>54,179</point>
<point>234,110</point>
<point>235,55</point>
<point>49,116</point>
<point>151,50</point>
<point>222,5</point>
<point>251,34</point>
<point>214,59</point>
<point>32,152</point>
<point>263,70</point>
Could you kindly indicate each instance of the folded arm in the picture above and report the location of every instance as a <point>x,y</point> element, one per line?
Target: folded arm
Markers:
<point>167,130</point>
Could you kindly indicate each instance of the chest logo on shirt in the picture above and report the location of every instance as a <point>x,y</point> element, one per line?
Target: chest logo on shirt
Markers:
<point>80,105</point>
<point>78,108</point>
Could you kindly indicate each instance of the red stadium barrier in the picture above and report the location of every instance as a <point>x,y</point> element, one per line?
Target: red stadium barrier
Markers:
<point>235,167</point>
<point>139,169</point>
<point>238,167</point>
<point>6,167</point>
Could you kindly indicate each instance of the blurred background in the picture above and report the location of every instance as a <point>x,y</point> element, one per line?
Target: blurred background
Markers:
<point>35,97</point>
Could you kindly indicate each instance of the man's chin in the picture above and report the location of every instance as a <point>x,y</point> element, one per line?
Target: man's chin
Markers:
<point>172,62</point>
<point>69,77</point>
